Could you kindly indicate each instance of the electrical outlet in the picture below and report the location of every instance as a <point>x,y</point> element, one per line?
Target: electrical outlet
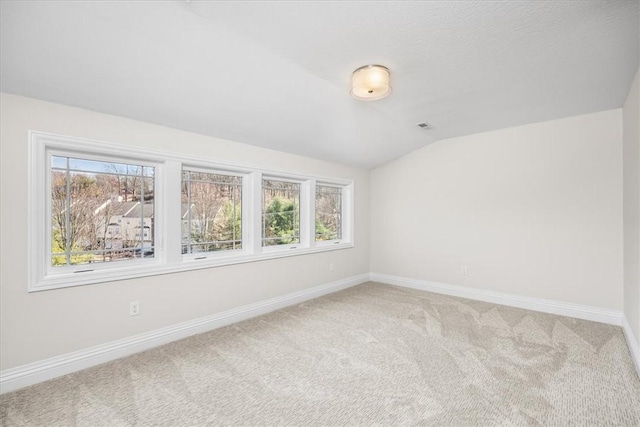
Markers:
<point>464,271</point>
<point>331,267</point>
<point>134,308</point>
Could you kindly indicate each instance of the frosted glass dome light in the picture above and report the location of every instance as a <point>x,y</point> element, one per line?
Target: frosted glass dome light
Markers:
<point>370,82</point>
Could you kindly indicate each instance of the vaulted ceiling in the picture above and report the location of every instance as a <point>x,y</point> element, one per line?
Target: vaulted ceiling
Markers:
<point>276,74</point>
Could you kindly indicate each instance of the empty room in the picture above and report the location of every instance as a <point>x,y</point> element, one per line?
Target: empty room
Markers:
<point>319,213</point>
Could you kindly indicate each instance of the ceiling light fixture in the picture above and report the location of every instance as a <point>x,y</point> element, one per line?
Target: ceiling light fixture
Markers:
<point>370,82</point>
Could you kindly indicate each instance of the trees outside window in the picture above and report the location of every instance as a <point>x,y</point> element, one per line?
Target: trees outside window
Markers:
<point>280,212</point>
<point>328,212</point>
<point>89,201</point>
<point>212,212</point>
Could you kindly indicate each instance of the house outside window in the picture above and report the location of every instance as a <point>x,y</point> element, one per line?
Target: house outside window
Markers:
<point>87,196</point>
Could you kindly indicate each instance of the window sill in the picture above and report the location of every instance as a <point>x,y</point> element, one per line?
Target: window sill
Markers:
<point>155,268</point>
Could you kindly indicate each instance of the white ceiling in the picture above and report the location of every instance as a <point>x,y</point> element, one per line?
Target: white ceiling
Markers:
<point>276,74</point>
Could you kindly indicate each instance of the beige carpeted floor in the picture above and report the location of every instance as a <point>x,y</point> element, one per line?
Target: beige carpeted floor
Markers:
<point>370,355</point>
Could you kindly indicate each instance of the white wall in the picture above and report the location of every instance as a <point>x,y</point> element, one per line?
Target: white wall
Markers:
<point>631,155</point>
<point>533,210</point>
<point>44,324</point>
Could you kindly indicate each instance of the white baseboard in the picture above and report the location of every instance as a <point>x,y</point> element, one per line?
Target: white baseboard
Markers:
<point>632,342</point>
<point>22,376</point>
<point>586,312</point>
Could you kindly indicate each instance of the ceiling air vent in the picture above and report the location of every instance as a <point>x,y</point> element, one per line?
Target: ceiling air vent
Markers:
<point>424,125</point>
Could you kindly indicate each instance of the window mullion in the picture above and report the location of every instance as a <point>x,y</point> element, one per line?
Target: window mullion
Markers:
<point>189,224</point>
<point>172,203</point>
<point>347,218</point>
<point>307,213</point>
<point>142,223</point>
<point>67,219</point>
<point>254,228</point>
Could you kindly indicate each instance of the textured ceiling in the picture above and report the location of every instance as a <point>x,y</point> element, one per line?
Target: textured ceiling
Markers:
<point>276,74</point>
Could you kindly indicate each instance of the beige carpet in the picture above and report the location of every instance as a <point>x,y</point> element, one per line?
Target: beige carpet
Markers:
<point>370,355</point>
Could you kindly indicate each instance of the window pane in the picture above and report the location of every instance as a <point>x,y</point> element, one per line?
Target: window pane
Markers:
<point>280,212</point>
<point>328,213</point>
<point>98,211</point>
<point>211,212</point>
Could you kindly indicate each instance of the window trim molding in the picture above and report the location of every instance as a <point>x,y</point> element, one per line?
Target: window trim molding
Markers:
<point>168,186</point>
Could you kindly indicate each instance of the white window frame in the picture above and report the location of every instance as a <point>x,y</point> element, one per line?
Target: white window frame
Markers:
<point>42,275</point>
<point>168,257</point>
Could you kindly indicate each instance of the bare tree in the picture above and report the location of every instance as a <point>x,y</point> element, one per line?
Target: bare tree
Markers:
<point>74,199</point>
<point>211,210</point>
